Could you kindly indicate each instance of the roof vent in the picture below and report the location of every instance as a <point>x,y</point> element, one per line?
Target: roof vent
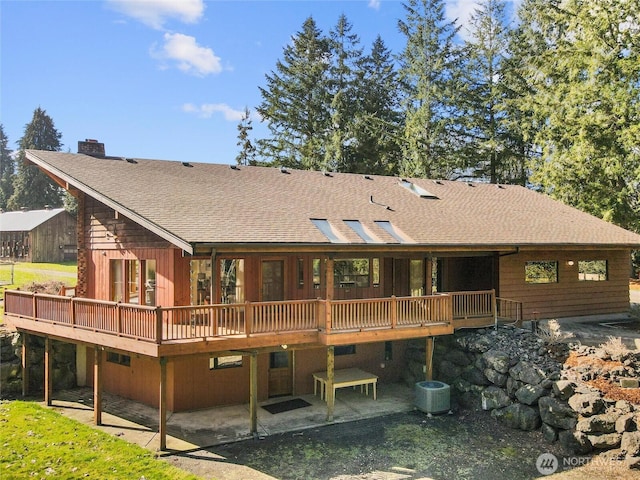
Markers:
<point>326,174</point>
<point>130,160</point>
<point>437,182</point>
<point>186,164</point>
<point>234,167</point>
<point>501,187</point>
<point>470,184</point>
<point>367,177</point>
<point>283,169</point>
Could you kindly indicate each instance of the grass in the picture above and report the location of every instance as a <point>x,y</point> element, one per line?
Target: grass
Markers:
<point>26,273</point>
<point>37,442</point>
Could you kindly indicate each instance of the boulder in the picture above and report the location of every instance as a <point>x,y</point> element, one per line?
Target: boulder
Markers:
<point>529,394</point>
<point>606,441</point>
<point>494,397</point>
<point>630,443</point>
<point>513,385</point>
<point>458,357</point>
<point>495,377</point>
<point>527,372</point>
<point>563,389</point>
<point>557,413</point>
<point>448,371</point>
<point>587,404</point>
<point>575,442</point>
<point>626,423</point>
<point>497,360</point>
<point>598,424</point>
<point>518,416</point>
<point>549,433</point>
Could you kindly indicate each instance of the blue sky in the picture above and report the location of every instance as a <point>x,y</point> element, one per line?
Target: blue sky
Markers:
<point>165,79</point>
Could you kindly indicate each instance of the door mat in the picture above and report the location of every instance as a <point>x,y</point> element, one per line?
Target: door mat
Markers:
<point>286,405</point>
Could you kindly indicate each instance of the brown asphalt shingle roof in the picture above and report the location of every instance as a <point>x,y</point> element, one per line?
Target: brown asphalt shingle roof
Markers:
<point>209,203</point>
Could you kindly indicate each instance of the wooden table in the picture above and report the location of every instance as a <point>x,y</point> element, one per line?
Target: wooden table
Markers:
<point>348,377</point>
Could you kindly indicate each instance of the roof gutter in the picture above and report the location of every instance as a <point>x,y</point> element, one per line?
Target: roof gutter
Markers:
<point>168,236</point>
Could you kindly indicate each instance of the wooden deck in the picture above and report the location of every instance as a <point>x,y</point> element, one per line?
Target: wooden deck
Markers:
<point>163,331</point>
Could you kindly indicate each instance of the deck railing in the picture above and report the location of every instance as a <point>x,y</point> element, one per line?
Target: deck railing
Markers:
<point>168,324</point>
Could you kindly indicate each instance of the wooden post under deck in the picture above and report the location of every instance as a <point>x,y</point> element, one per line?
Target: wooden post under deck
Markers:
<point>162,423</point>
<point>26,351</point>
<point>48,371</point>
<point>97,386</point>
<point>328,391</point>
<point>428,373</point>
<point>253,393</point>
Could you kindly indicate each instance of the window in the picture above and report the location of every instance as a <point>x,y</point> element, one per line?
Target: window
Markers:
<point>124,360</point>
<point>232,280</point>
<point>592,270</point>
<point>344,350</point>
<point>130,277</point>
<point>149,282</point>
<point>230,361</point>
<point>133,280</point>
<point>200,281</point>
<point>416,189</point>
<point>316,273</point>
<point>117,280</point>
<point>300,272</point>
<point>356,272</point>
<point>416,277</point>
<point>541,272</point>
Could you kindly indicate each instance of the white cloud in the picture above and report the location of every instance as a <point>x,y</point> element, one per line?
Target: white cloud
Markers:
<point>375,4</point>
<point>155,13</point>
<point>206,110</point>
<point>188,55</point>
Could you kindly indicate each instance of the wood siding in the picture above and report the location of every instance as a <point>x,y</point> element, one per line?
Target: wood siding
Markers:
<point>568,297</point>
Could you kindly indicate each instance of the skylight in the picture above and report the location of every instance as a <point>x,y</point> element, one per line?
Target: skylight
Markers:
<point>394,231</point>
<point>416,189</point>
<point>328,230</point>
<point>362,231</point>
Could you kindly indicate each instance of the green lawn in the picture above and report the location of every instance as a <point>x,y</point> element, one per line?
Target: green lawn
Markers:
<point>37,442</point>
<point>26,273</point>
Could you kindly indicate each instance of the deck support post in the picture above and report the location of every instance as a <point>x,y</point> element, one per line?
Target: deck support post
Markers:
<point>97,385</point>
<point>253,393</point>
<point>26,351</point>
<point>428,371</point>
<point>48,372</point>
<point>162,410</point>
<point>329,392</point>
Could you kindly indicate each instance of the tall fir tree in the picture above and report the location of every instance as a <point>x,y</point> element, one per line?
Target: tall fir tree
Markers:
<point>296,103</point>
<point>32,188</point>
<point>7,170</point>
<point>490,149</point>
<point>429,71</point>
<point>583,67</point>
<point>378,124</point>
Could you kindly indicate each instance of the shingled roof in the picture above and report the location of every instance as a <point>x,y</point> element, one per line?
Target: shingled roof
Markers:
<point>194,203</point>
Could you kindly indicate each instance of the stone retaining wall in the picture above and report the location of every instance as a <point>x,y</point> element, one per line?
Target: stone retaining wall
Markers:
<point>527,384</point>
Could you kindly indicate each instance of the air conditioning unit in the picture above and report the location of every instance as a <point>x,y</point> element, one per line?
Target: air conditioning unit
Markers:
<point>433,397</point>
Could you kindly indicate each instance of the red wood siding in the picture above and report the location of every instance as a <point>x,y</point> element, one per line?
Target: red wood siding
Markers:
<point>569,297</point>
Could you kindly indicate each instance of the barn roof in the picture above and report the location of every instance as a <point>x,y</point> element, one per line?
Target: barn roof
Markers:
<point>26,220</point>
<point>203,203</point>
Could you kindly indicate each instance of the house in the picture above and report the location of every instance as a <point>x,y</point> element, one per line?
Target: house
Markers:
<point>47,235</point>
<point>208,284</point>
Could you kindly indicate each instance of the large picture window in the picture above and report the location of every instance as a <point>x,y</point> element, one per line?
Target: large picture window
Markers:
<point>356,272</point>
<point>130,277</point>
<point>541,272</point>
<point>232,280</point>
<point>592,270</point>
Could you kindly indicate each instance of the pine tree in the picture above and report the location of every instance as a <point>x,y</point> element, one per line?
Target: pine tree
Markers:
<point>584,99</point>
<point>32,188</point>
<point>378,123</point>
<point>429,71</point>
<point>7,170</point>
<point>247,155</point>
<point>296,103</point>
<point>489,146</point>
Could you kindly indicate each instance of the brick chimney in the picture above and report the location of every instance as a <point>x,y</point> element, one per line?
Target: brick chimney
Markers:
<point>91,147</point>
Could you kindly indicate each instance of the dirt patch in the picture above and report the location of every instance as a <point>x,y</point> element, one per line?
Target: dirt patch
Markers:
<point>467,444</point>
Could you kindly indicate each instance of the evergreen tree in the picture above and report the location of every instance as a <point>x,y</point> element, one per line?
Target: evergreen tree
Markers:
<point>430,67</point>
<point>489,148</point>
<point>584,95</point>
<point>247,155</point>
<point>32,188</point>
<point>378,124</point>
<point>7,170</point>
<point>296,102</point>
